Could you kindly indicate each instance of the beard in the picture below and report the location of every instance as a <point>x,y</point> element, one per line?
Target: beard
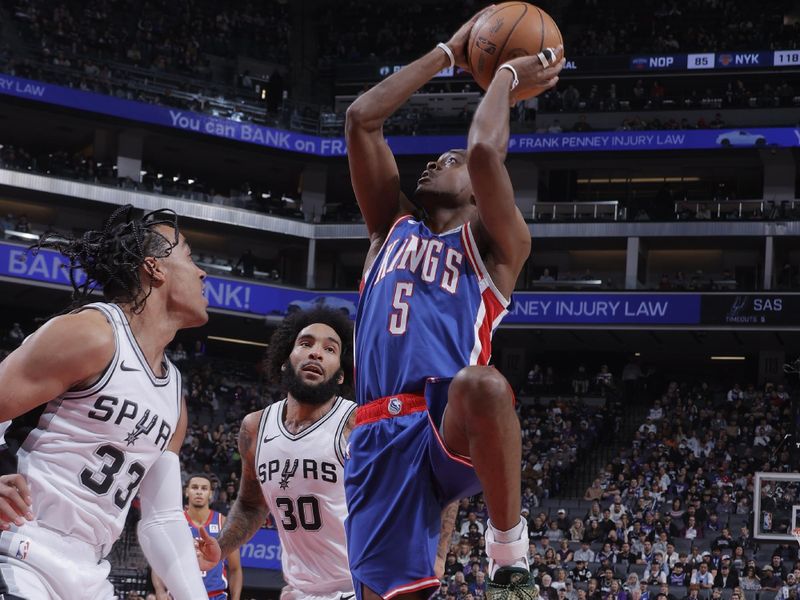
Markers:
<point>309,394</point>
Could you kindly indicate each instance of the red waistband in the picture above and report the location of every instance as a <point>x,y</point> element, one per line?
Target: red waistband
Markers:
<point>390,406</point>
<point>215,594</point>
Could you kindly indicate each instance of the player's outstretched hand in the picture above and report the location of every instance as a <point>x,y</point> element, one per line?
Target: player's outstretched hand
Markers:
<point>15,501</point>
<point>208,551</point>
<point>534,77</point>
<point>458,43</point>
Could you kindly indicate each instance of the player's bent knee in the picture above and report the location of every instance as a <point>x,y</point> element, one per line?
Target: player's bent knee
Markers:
<point>482,388</point>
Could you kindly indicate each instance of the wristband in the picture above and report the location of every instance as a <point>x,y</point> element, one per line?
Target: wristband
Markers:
<point>515,81</point>
<point>449,53</point>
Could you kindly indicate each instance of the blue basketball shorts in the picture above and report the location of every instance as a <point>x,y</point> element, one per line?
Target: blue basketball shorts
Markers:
<point>398,478</point>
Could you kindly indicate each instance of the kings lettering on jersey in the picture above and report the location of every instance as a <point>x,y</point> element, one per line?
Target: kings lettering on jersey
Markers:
<point>426,257</point>
<point>429,303</point>
<point>125,413</point>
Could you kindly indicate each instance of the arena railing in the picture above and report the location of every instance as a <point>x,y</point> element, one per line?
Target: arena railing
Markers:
<point>720,209</point>
<point>596,210</point>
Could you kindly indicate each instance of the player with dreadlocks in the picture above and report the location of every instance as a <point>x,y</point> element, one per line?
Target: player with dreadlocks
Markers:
<point>293,458</point>
<point>114,418</point>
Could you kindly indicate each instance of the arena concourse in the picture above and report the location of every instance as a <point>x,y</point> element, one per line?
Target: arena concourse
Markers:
<point>653,342</point>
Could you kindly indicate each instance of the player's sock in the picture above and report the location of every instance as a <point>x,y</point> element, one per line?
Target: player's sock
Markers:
<point>507,548</point>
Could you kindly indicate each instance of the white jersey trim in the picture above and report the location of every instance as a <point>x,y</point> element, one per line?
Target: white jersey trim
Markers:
<point>296,436</point>
<point>339,443</point>
<point>98,385</point>
<point>155,379</point>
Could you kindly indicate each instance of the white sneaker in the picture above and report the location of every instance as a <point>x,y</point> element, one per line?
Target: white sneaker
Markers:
<point>507,554</point>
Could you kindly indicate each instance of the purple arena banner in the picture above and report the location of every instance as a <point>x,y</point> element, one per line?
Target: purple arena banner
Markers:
<point>290,141</point>
<point>250,298</point>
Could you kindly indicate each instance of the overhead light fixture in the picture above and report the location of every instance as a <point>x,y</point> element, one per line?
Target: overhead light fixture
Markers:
<point>637,353</point>
<point>142,172</point>
<point>237,341</point>
<point>724,357</point>
<point>160,175</point>
<point>175,178</point>
<point>191,181</point>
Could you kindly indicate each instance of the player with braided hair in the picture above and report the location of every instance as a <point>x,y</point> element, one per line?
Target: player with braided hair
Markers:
<point>114,417</point>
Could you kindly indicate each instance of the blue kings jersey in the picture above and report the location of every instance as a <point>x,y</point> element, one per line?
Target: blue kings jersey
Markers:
<point>215,580</point>
<point>427,308</point>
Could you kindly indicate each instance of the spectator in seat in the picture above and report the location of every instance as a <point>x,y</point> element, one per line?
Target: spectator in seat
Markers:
<point>750,581</point>
<point>770,582</point>
<point>607,580</point>
<point>562,522</point>
<point>617,510</point>
<point>625,555</point>
<point>726,577</point>
<point>546,590</point>
<point>655,574</point>
<point>577,530</point>
<point>777,563</point>
<point>564,553</point>
<point>616,592</point>
<point>664,592</point>
<point>691,531</point>
<point>472,517</point>
<point>593,533</point>
<point>703,577</point>
<point>678,576</point>
<point>580,572</point>
<point>584,553</point>
<point>694,592</point>
<point>593,590</point>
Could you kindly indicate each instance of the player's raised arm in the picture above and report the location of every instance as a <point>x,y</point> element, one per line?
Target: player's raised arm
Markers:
<point>248,512</point>
<point>46,365</point>
<point>165,540</point>
<point>373,169</point>
<point>501,226</point>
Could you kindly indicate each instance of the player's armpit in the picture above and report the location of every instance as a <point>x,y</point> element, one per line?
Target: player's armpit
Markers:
<point>249,511</point>
<point>180,430</point>
<point>47,365</point>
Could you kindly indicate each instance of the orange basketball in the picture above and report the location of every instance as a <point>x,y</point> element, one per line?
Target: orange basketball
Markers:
<point>511,30</point>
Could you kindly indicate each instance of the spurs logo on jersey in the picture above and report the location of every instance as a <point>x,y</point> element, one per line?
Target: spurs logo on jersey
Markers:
<point>107,407</point>
<point>301,477</point>
<point>92,448</point>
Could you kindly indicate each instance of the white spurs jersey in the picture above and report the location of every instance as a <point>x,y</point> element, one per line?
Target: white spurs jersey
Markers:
<point>92,448</point>
<point>302,478</point>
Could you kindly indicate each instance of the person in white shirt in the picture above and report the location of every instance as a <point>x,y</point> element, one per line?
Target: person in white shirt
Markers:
<point>584,553</point>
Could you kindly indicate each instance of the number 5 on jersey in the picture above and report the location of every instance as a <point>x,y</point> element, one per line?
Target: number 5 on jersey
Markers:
<point>398,318</point>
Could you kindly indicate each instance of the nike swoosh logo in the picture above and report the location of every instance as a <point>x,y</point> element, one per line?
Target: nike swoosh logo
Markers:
<point>124,368</point>
<point>347,596</point>
<point>274,437</point>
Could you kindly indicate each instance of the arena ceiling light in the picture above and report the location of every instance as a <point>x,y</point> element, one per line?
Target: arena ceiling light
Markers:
<point>723,357</point>
<point>237,341</point>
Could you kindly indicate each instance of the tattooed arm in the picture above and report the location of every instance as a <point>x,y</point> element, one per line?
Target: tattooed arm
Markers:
<point>248,512</point>
<point>448,523</point>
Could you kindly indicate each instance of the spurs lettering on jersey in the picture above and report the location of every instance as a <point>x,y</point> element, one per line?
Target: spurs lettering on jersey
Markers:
<point>311,469</point>
<point>92,448</point>
<point>106,407</point>
<point>301,478</point>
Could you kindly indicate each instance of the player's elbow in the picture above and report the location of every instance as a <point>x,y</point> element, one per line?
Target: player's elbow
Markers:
<point>359,117</point>
<point>481,155</point>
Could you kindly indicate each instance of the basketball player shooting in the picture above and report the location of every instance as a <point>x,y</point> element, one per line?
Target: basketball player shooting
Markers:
<point>113,421</point>
<point>292,459</point>
<point>226,573</point>
<point>435,423</point>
